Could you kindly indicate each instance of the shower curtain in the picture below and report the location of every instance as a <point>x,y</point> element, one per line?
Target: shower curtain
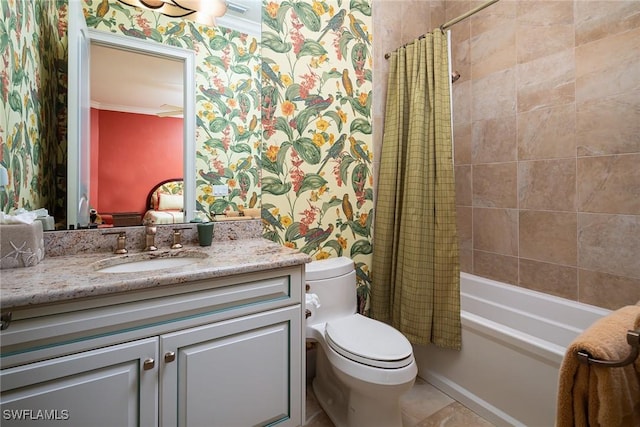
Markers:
<point>416,271</point>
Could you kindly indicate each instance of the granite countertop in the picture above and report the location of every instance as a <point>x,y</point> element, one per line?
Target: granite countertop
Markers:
<point>64,278</point>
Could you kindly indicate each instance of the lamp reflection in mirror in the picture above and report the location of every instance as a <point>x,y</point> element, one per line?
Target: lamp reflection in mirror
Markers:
<point>200,11</point>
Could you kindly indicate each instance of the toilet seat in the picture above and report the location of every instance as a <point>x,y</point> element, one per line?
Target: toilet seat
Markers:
<point>369,342</point>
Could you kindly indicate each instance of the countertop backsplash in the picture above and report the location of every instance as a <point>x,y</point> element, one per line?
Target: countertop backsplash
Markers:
<point>72,242</point>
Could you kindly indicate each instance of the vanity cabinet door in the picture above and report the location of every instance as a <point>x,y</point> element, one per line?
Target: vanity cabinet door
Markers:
<point>240,372</point>
<point>111,386</point>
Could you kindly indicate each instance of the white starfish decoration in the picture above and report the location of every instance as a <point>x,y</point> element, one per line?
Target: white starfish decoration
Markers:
<point>27,255</point>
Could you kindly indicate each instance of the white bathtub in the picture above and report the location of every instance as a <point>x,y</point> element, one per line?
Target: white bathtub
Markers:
<point>513,342</point>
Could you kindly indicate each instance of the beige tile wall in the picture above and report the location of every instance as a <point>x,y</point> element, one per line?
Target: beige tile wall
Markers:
<point>547,128</point>
<point>547,139</point>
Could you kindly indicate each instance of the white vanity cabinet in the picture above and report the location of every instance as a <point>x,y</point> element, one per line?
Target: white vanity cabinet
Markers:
<point>111,386</point>
<point>235,373</point>
<point>218,352</point>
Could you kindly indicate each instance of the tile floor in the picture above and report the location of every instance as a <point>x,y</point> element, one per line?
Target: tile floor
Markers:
<point>423,406</point>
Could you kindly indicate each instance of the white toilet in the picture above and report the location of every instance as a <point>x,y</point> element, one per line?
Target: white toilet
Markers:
<point>363,366</point>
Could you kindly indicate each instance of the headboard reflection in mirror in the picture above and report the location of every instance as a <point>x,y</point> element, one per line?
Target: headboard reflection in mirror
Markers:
<point>164,203</point>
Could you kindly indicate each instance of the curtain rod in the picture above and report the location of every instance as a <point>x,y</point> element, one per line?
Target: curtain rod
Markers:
<point>448,24</point>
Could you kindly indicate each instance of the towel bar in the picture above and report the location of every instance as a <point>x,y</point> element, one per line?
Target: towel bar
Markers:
<point>633,338</point>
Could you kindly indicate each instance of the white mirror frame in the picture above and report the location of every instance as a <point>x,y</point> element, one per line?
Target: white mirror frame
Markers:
<point>188,59</point>
<point>188,127</point>
<point>78,135</point>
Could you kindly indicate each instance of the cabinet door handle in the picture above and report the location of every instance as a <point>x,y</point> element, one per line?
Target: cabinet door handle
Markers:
<point>169,357</point>
<point>148,364</point>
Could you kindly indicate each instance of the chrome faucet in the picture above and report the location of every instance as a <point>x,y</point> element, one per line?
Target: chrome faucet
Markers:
<point>150,237</point>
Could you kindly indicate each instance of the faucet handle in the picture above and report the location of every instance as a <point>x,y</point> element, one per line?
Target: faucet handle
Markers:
<point>150,237</point>
<point>121,242</point>
<point>177,237</point>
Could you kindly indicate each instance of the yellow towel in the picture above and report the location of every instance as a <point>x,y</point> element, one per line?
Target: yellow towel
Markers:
<point>593,396</point>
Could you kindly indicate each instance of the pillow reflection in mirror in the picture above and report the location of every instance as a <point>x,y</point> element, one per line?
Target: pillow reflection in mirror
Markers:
<point>169,202</point>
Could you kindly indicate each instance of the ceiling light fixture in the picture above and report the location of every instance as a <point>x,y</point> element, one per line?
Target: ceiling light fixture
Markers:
<point>200,11</point>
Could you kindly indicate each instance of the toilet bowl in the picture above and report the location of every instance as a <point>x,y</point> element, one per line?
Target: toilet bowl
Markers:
<point>363,366</point>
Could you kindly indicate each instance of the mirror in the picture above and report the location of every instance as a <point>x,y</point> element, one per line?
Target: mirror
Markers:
<point>136,133</point>
<point>142,126</point>
<point>242,15</point>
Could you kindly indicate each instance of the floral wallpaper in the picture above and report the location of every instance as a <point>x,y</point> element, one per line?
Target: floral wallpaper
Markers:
<point>317,176</point>
<point>285,122</point>
<point>33,50</point>
<point>227,97</point>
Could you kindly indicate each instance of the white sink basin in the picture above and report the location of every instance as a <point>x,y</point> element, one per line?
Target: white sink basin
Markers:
<point>148,262</point>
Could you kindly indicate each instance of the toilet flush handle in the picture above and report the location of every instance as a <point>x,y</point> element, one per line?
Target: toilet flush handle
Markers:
<point>312,302</point>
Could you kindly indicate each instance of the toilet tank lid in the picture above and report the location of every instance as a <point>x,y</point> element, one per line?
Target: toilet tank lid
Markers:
<point>328,268</point>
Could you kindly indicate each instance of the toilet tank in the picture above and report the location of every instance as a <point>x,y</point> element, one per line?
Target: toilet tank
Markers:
<point>333,280</point>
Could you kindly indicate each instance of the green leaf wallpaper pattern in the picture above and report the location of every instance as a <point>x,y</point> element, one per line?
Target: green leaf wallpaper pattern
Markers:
<point>227,97</point>
<point>317,176</point>
<point>32,45</point>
